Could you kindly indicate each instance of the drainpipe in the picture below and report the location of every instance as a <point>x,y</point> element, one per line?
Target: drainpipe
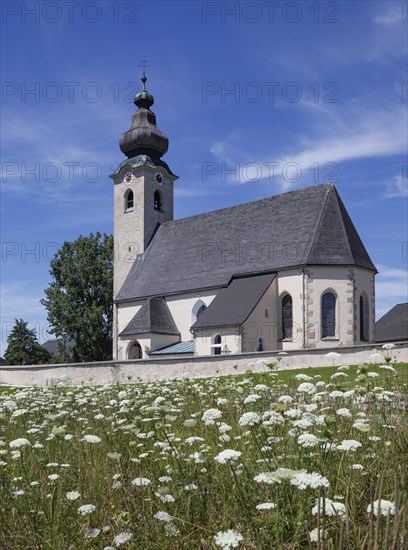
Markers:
<point>115,336</point>
<point>304,306</point>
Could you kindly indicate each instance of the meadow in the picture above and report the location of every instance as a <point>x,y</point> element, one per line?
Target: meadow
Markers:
<point>283,460</point>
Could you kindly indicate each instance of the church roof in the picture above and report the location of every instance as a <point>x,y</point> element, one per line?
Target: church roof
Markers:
<point>234,304</point>
<point>153,317</point>
<point>309,226</point>
<point>393,326</point>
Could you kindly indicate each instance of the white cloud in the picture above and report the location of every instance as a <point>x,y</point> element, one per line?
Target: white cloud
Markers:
<point>391,16</point>
<point>346,134</point>
<point>397,187</point>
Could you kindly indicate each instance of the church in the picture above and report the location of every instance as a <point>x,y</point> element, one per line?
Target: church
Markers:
<point>285,272</point>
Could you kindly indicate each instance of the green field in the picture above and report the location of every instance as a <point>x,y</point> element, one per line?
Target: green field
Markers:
<point>267,460</point>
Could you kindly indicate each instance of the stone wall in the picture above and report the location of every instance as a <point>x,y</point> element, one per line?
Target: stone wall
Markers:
<point>146,370</point>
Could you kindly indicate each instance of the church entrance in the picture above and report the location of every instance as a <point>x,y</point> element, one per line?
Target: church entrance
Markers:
<point>135,351</point>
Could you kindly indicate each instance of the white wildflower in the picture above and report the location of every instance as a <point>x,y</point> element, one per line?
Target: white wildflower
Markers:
<point>349,445</point>
<point>329,508</point>
<point>86,509</point>
<point>19,443</point>
<point>385,507</point>
<point>122,538</point>
<point>228,456</point>
<point>266,506</point>
<point>210,416</point>
<point>308,440</point>
<point>92,438</point>
<point>313,481</point>
<point>163,516</point>
<point>141,482</point>
<point>228,539</point>
<point>249,419</point>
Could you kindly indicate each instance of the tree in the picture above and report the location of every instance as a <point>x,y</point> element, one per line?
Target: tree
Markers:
<point>23,347</point>
<point>79,300</point>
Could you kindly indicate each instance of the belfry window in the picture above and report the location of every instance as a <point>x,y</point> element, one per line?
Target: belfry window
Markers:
<point>157,201</point>
<point>129,200</point>
<point>328,315</point>
<point>287,317</point>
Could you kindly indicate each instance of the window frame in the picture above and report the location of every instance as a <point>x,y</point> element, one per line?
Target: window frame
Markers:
<point>335,335</point>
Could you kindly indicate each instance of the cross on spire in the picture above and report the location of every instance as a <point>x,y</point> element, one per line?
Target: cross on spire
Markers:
<point>144,63</point>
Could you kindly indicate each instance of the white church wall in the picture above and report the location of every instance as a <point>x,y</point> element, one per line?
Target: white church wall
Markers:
<point>181,307</point>
<point>338,279</point>
<point>230,337</point>
<point>159,341</point>
<point>263,322</point>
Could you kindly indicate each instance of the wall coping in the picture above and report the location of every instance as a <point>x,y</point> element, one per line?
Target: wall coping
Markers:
<point>208,358</point>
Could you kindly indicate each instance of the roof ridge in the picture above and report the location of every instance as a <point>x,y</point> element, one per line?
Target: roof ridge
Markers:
<point>307,254</point>
<point>339,202</point>
<point>300,189</point>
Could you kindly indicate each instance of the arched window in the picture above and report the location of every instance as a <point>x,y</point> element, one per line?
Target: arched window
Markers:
<point>364,318</point>
<point>261,344</point>
<point>157,201</point>
<point>328,315</point>
<point>135,351</point>
<point>216,347</point>
<point>129,200</point>
<point>201,310</point>
<point>266,312</point>
<point>287,317</point>
<point>198,309</point>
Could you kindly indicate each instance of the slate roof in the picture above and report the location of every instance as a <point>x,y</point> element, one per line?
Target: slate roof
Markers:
<point>234,304</point>
<point>153,317</point>
<point>52,345</point>
<point>393,326</point>
<point>180,347</point>
<point>308,226</point>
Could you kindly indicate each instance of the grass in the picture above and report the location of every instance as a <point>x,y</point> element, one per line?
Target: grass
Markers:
<point>160,432</point>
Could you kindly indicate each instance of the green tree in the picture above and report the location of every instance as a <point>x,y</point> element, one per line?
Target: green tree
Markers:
<point>79,299</point>
<point>23,347</point>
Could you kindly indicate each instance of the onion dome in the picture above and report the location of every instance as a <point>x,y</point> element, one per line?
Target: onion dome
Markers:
<point>144,137</point>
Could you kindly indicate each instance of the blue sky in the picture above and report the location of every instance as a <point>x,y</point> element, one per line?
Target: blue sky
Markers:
<point>315,88</point>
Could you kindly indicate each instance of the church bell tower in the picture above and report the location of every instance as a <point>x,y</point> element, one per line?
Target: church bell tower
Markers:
<point>143,187</point>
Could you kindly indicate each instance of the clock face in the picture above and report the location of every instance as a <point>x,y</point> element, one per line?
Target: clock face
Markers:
<point>159,178</point>
<point>127,180</point>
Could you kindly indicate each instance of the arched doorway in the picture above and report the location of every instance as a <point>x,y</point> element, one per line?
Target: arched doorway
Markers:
<point>135,351</point>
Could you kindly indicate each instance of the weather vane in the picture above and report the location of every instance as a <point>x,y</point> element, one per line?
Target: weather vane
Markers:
<point>144,63</point>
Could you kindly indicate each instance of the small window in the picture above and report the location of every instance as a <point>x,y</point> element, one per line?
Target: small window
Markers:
<point>157,201</point>
<point>266,312</point>
<point>328,315</point>
<point>217,345</point>
<point>129,200</point>
<point>261,344</point>
<point>287,317</point>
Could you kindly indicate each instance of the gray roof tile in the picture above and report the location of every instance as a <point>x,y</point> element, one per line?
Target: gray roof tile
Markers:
<point>304,227</point>
<point>153,317</point>
<point>393,326</point>
<point>234,304</point>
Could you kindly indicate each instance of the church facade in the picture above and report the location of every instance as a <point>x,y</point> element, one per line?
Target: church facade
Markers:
<point>281,273</point>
